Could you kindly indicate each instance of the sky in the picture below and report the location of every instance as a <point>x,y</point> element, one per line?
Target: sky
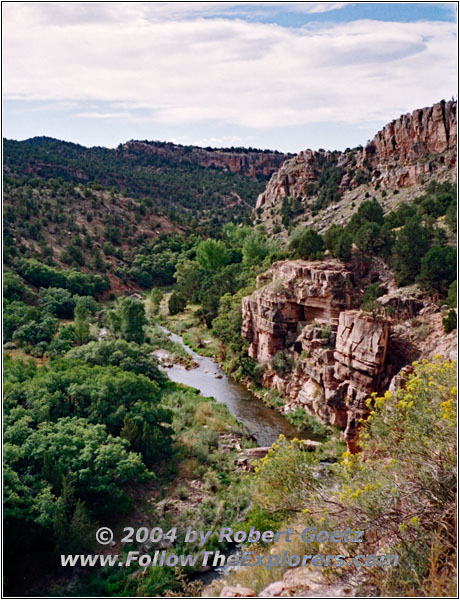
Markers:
<point>279,75</point>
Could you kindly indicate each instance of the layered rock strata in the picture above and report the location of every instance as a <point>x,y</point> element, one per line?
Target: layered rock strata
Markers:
<point>339,356</point>
<point>248,162</point>
<point>406,150</point>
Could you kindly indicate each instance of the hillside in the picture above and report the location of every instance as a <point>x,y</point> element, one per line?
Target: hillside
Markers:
<point>322,188</point>
<point>194,187</point>
<point>99,210</point>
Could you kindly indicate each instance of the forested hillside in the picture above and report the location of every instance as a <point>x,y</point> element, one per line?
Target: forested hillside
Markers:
<point>188,185</point>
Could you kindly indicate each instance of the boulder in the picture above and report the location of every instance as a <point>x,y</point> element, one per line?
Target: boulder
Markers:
<point>236,591</point>
<point>273,590</point>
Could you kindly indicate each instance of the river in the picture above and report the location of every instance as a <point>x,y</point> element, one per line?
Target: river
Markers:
<point>263,423</point>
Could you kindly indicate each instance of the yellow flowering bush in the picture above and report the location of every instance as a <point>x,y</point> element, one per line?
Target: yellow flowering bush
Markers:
<point>400,489</point>
<point>285,477</point>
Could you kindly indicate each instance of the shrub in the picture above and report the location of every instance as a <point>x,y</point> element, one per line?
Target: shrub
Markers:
<point>303,421</point>
<point>452,294</point>
<point>371,293</point>
<point>450,322</point>
<point>282,363</point>
<point>400,489</point>
<point>176,303</point>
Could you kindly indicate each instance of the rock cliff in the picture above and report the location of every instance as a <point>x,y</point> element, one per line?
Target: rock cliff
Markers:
<point>406,154</point>
<point>406,150</point>
<point>250,163</point>
<point>338,356</point>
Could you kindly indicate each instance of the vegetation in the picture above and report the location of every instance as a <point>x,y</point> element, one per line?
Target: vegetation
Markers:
<point>400,489</point>
<point>154,184</point>
<point>95,430</point>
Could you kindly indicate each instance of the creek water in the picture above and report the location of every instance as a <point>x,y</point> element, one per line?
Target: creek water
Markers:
<point>263,423</point>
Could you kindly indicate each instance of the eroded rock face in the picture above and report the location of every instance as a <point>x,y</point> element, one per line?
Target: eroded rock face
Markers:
<point>293,177</point>
<point>306,310</point>
<point>251,164</point>
<point>409,152</point>
<point>295,293</point>
<point>398,155</point>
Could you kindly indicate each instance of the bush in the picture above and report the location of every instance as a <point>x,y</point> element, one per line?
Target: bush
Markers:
<point>307,244</point>
<point>400,489</point>
<point>451,216</point>
<point>450,322</point>
<point>303,421</point>
<point>176,303</point>
<point>452,294</point>
<point>282,363</point>
<point>371,293</point>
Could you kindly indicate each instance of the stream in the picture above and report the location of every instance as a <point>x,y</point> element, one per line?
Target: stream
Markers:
<point>260,421</point>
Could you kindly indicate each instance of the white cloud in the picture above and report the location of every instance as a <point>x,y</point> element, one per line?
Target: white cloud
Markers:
<point>182,68</point>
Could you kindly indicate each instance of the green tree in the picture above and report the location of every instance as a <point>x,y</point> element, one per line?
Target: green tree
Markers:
<point>13,286</point>
<point>451,216</point>
<point>368,211</point>
<point>438,269</point>
<point>58,302</point>
<point>132,320</point>
<point>81,324</point>
<point>452,294</point>
<point>35,332</point>
<point>212,255</point>
<point>307,244</point>
<point>176,303</point>
<point>450,322</point>
<point>411,245</point>
<point>256,248</point>
<point>342,246</point>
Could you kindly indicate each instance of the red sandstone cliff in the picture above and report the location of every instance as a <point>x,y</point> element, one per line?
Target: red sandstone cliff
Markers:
<point>340,355</point>
<point>406,150</point>
<point>411,151</point>
<point>248,162</point>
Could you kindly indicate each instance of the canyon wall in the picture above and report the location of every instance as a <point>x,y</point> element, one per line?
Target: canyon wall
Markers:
<point>250,163</point>
<point>406,150</point>
<point>338,356</point>
<point>406,155</point>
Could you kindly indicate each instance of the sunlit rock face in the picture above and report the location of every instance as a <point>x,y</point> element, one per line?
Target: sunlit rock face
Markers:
<point>409,152</point>
<point>306,310</point>
<point>404,151</point>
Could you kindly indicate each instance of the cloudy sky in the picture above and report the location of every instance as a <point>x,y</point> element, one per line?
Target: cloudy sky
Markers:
<point>284,75</point>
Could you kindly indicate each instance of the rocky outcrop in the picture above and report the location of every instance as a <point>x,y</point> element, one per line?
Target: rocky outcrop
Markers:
<point>250,163</point>
<point>334,356</point>
<point>409,152</point>
<point>405,151</point>
<point>295,293</point>
<point>293,178</point>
